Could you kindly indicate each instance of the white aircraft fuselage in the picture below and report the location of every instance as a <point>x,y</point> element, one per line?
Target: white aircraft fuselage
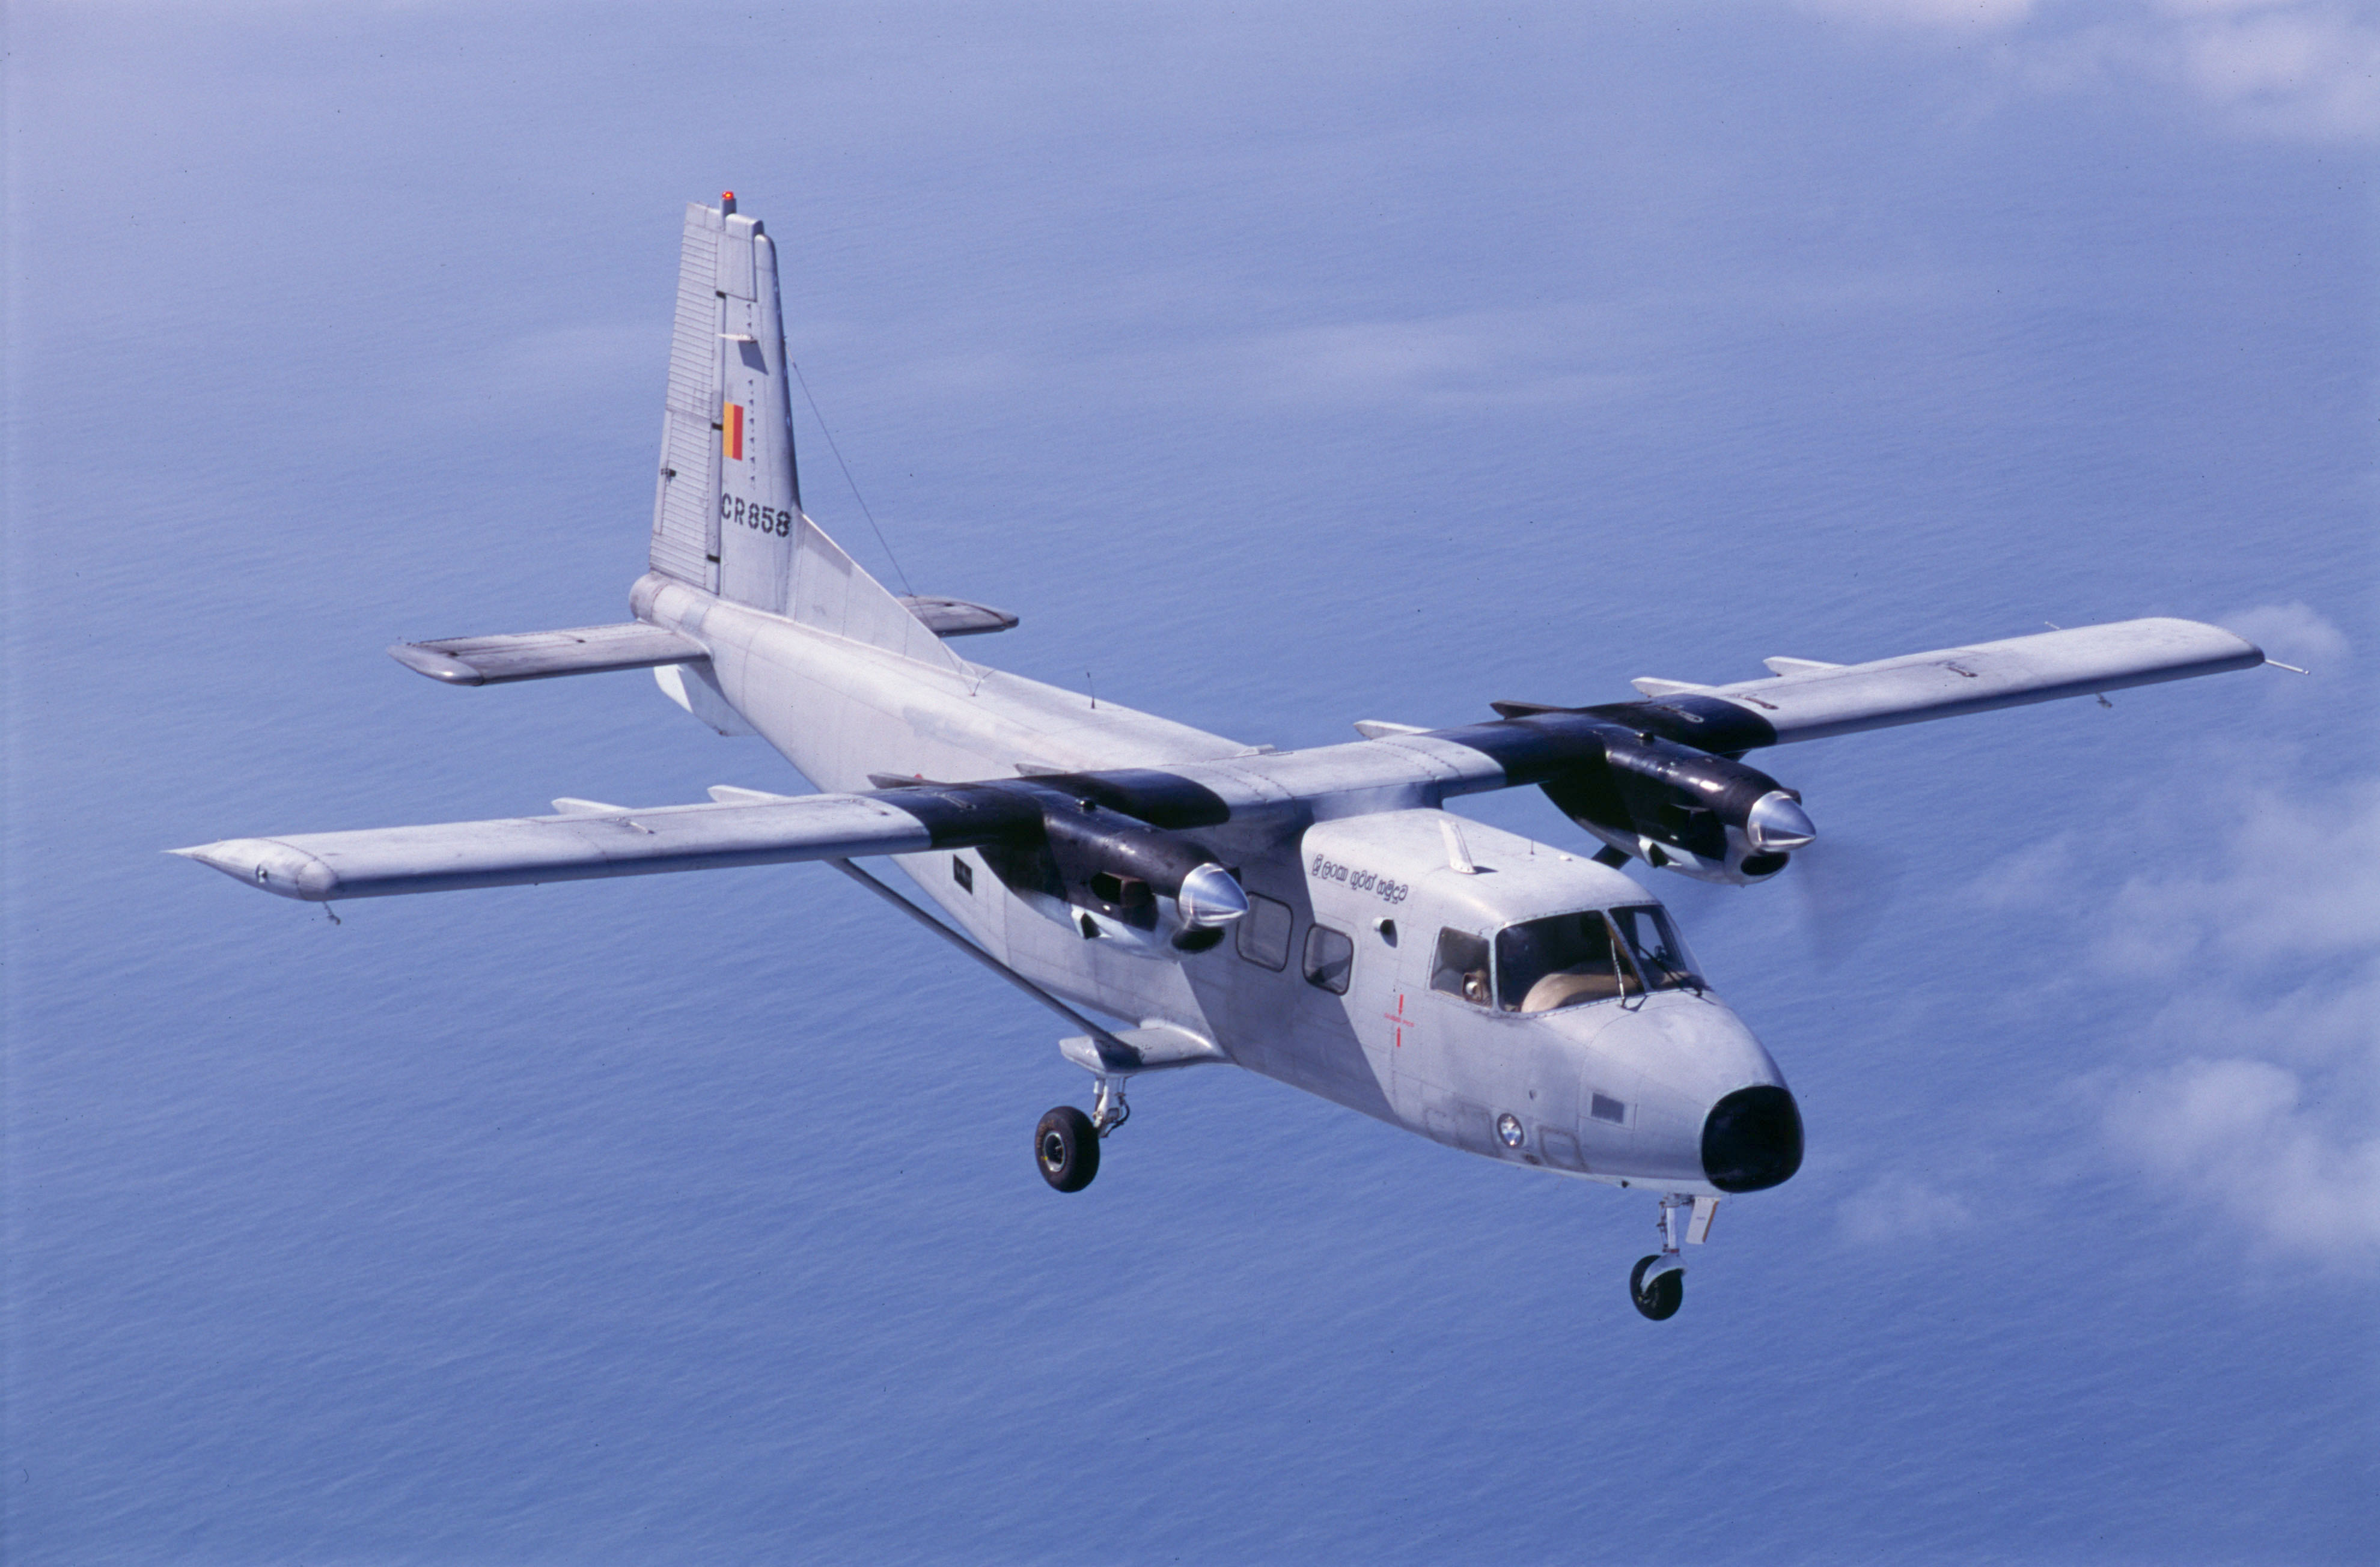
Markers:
<point>1490,1079</point>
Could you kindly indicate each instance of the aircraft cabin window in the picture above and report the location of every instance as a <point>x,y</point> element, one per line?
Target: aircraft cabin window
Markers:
<point>1264,931</point>
<point>1566,960</point>
<point>1462,965</point>
<point>1330,958</point>
<point>1660,956</point>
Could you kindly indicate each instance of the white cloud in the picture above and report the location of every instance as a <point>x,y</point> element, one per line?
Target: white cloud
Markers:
<point>2310,68</point>
<point>1567,354</point>
<point>1520,357</point>
<point>2240,1136</point>
<point>2292,634</point>
<point>2298,67</point>
<point>2253,950</point>
<point>1961,14</point>
<point>1533,357</point>
<point>2291,882</point>
<point>1899,1212</point>
<point>2269,962</point>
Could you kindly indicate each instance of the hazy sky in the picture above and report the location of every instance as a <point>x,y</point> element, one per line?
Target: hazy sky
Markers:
<point>1282,367</point>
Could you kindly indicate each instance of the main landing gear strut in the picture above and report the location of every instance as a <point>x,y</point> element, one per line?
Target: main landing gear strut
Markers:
<point>1658,1285</point>
<point>1066,1143</point>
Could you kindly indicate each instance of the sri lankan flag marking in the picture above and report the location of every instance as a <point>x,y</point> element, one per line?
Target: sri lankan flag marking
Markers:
<point>731,432</point>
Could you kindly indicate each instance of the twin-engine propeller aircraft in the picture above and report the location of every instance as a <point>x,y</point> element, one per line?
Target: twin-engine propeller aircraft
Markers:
<point>1312,915</point>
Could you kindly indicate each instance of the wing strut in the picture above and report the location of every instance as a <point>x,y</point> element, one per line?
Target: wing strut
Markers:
<point>1114,1053</point>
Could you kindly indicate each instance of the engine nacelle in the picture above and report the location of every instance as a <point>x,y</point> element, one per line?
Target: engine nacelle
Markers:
<point>1683,810</point>
<point>1111,876</point>
<point>1741,865</point>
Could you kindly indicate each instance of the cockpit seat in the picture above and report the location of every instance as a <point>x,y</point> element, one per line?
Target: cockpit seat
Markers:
<point>1568,987</point>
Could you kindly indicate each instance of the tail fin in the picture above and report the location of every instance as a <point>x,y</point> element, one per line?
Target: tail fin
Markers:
<point>727,517</point>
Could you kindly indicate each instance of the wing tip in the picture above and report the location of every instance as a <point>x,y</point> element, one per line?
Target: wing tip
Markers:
<point>438,666</point>
<point>263,862</point>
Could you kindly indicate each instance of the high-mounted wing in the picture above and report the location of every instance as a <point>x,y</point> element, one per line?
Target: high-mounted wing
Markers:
<point>1059,840</point>
<point>580,844</point>
<point>1807,699</point>
<point>1661,777</point>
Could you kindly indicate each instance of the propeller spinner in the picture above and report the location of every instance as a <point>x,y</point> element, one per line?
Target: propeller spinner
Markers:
<point>1778,825</point>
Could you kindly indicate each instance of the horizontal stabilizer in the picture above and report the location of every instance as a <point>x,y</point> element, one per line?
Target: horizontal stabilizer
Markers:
<point>957,617</point>
<point>537,656</point>
<point>381,861</point>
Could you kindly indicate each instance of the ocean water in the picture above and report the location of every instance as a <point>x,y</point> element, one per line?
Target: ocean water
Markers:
<point>1282,367</point>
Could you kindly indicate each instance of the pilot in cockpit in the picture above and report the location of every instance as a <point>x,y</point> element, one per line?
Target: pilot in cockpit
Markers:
<point>1566,960</point>
<point>1462,967</point>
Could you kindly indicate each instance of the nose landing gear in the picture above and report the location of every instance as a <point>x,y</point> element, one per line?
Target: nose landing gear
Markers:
<point>1660,1299</point>
<point>1657,1287</point>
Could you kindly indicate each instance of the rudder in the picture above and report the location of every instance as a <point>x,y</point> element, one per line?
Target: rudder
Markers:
<point>727,517</point>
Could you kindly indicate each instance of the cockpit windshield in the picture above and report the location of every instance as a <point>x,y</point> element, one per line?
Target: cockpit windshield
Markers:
<point>1570,960</point>
<point>1561,962</point>
<point>1660,957</point>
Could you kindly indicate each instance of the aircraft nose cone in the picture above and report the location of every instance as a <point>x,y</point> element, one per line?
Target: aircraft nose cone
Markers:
<point>1777,823</point>
<point>1752,1139</point>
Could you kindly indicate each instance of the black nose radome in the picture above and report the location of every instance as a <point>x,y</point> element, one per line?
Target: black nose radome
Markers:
<point>1753,1139</point>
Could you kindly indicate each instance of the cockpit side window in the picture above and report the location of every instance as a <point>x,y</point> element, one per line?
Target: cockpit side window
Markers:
<point>1563,961</point>
<point>1462,965</point>
<point>1660,956</point>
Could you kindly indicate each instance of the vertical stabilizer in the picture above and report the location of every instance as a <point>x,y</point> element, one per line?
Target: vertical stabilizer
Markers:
<point>728,514</point>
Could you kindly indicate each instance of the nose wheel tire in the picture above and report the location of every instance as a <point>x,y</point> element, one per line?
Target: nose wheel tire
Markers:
<point>1067,1149</point>
<point>1660,1299</point>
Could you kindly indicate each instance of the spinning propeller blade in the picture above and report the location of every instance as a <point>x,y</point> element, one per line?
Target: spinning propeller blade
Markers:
<point>1842,889</point>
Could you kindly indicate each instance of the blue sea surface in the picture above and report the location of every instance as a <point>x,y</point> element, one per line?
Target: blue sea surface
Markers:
<point>1280,367</point>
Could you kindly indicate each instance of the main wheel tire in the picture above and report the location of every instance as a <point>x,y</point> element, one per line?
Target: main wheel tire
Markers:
<point>1661,1301</point>
<point>1066,1146</point>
